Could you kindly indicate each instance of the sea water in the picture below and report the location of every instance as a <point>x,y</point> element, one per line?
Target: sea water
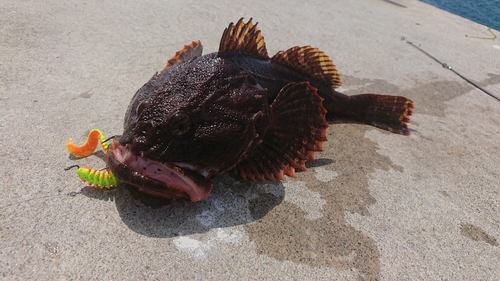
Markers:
<point>485,12</point>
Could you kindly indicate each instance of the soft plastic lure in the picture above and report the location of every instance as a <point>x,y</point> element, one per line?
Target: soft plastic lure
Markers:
<point>102,178</point>
<point>90,145</point>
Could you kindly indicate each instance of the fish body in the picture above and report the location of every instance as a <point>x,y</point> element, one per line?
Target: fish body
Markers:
<point>237,109</point>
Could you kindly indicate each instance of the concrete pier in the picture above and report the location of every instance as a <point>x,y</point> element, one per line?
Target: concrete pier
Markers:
<point>373,206</point>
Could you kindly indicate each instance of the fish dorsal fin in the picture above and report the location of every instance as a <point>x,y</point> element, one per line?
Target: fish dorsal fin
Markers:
<point>189,52</point>
<point>311,62</point>
<point>297,129</point>
<point>243,38</point>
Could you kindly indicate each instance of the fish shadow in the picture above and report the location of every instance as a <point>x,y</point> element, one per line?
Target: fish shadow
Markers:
<point>232,202</point>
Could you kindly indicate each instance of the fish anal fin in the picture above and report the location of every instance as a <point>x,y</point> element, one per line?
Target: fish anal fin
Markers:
<point>297,129</point>
<point>189,52</point>
<point>243,38</point>
<point>310,62</point>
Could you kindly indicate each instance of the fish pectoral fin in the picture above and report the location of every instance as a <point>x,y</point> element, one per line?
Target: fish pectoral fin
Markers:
<point>310,62</point>
<point>297,129</point>
<point>243,38</point>
<point>189,52</point>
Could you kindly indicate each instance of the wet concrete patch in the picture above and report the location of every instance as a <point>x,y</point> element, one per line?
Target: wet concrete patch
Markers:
<point>285,233</point>
<point>288,233</point>
<point>492,79</point>
<point>477,234</point>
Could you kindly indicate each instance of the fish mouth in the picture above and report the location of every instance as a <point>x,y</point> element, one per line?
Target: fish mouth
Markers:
<point>169,181</point>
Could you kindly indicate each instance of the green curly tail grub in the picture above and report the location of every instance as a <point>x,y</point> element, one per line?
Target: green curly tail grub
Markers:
<point>102,179</point>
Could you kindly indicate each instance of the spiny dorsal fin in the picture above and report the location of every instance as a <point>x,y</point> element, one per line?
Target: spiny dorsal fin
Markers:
<point>297,129</point>
<point>310,62</point>
<point>189,52</point>
<point>243,38</point>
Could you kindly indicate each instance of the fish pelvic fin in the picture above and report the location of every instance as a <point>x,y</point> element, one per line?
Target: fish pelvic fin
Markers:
<point>297,129</point>
<point>310,62</point>
<point>243,38</point>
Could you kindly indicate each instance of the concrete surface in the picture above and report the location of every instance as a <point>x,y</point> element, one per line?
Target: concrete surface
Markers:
<point>374,206</point>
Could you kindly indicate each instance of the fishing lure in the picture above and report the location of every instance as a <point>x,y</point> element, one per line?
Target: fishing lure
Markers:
<point>102,178</point>
<point>89,146</point>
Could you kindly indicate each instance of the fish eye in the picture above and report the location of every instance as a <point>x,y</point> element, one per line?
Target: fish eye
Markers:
<point>180,125</point>
<point>252,81</point>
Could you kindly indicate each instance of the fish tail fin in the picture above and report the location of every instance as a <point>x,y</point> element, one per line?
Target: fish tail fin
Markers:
<point>391,113</point>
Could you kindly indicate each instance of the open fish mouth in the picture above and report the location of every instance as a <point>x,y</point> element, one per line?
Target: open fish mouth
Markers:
<point>169,181</point>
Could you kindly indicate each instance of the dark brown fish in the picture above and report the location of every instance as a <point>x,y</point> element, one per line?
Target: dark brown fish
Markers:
<point>237,109</point>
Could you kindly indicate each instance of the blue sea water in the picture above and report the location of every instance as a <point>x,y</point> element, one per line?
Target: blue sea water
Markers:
<point>485,12</point>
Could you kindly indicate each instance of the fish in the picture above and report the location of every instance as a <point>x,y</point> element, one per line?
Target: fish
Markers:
<point>237,110</point>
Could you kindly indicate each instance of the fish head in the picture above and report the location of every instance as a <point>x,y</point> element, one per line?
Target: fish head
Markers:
<point>188,124</point>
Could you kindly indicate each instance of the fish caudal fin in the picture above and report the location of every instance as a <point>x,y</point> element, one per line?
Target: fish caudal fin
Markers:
<point>391,113</point>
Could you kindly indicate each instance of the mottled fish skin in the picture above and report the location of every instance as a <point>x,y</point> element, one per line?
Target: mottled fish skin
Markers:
<point>226,111</point>
<point>237,109</point>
